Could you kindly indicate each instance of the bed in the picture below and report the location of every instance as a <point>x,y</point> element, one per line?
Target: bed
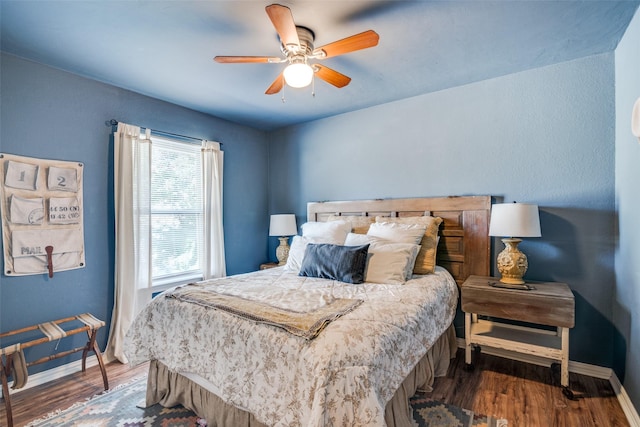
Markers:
<point>369,347</point>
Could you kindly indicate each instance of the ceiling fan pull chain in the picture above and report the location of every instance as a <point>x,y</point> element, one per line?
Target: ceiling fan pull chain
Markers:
<point>313,85</point>
<point>283,89</point>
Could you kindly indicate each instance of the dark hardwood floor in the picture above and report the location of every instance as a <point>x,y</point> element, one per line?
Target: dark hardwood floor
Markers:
<point>526,395</point>
<point>37,402</point>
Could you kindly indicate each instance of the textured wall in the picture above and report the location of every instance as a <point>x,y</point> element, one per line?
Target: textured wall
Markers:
<point>626,306</point>
<point>543,136</point>
<point>51,114</point>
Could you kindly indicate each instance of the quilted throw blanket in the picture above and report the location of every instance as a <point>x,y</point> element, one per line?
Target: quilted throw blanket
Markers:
<point>344,376</point>
<point>303,324</point>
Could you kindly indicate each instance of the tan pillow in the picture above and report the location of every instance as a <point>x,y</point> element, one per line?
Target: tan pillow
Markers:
<point>388,262</point>
<point>359,224</point>
<point>426,259</point>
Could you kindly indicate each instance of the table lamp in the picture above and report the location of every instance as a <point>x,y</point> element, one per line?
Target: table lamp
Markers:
<point>283,226</point>
<point>512,221</point>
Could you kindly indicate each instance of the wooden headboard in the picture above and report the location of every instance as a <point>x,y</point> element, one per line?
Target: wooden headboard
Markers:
<point>465,246</point>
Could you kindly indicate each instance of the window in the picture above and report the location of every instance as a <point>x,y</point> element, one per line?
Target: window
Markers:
<point>177,229</point>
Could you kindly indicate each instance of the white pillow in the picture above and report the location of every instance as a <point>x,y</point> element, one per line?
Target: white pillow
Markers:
<point>388,262</point>
<point>397,232</point>
<point>334,232</point>
<point>296,253</point>
<point>357,239</point>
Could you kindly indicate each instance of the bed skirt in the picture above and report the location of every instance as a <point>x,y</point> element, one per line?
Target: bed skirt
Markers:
<point>170,389</point>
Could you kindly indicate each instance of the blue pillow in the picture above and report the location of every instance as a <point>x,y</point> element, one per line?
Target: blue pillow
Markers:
<point>343,263</point>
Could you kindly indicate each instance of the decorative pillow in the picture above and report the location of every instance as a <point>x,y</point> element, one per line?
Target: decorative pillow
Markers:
<point>333,232</point>
<point>426,260</point>
<point>397,232</point>
<point>359,224</point>
<point>388,262</point>
<point>336,262</point>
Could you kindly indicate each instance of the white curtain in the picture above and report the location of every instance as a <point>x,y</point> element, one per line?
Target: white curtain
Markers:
<point>214,260</point>
<point>132,180</point>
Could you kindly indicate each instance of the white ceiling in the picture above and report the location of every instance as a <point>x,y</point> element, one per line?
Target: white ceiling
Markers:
<point>164,49</point>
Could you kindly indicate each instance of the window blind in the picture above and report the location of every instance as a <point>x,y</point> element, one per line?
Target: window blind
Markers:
<point>176,209</point>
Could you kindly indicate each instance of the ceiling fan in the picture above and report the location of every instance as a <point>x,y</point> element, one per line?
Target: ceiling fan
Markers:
<point>297,48</point>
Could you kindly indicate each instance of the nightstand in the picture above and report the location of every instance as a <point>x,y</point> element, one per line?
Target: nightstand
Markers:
<point>268,265</point>
<point>546,303</point>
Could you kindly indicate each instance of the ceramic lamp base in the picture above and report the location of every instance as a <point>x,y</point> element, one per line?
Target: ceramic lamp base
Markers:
<point>282,251</point>
<point>512,264</point>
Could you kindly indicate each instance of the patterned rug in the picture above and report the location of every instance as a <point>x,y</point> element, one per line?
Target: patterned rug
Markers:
<point>432,413</point>
<point>123,407</point>
<point>120,407</point>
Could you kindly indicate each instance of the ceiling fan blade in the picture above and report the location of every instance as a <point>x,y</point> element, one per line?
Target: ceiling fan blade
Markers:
<point>282,20</point>
<point>363,40</point>
<point>331,76</point>
<point>276,86</point>
<point>244,59</point>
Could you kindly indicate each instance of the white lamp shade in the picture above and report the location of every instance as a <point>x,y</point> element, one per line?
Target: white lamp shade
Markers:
<point>283,225</point>
<point>298,75</point>
<point>514,220</point>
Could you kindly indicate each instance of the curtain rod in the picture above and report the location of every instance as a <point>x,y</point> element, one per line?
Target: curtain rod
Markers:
<point>114,122</point>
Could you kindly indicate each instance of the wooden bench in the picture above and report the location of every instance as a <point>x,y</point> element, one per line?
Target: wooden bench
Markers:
<point>12,362</point>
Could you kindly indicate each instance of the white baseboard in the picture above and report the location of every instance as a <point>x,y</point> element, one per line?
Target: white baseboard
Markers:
<point>625,402</point>
<point>579,368</point>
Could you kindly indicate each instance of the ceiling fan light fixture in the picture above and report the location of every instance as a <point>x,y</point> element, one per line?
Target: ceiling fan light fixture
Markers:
<point>298,74</point>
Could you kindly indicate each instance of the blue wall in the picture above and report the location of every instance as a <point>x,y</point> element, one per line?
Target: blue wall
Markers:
<point>626,306</point>
<point>556,136</point>
<point>51,114</point>
<point>543,136</point>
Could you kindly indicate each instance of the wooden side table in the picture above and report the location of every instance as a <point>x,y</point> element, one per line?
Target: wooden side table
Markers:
<point>267,265</point>
<point>546,303</point>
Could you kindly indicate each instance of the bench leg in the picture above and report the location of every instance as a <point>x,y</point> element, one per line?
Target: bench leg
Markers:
<point>92,346</point>
<point>92,337</point>
<point>103,370</point>
<point>5,391</point>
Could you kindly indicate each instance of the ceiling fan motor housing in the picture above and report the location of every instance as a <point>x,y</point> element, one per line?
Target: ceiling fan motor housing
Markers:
<point>292,51</point>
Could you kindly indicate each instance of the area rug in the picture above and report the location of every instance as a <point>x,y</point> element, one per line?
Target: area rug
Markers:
<point>123,407</point>
<point>432,413</point>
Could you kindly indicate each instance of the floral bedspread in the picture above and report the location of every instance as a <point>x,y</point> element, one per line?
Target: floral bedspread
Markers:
<point>345,376</point>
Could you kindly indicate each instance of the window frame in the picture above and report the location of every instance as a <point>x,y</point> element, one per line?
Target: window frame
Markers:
<point>167,281</point>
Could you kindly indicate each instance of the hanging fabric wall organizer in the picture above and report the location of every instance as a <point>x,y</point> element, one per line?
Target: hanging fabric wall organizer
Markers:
<point>42,215</point>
